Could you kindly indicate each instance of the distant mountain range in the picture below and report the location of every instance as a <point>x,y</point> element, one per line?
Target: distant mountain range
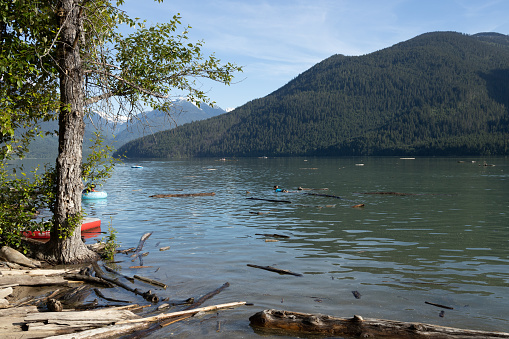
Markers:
<point>118,133</point>
<point>440,93</point>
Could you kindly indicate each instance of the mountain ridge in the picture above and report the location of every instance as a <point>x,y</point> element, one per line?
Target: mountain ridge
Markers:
<point>434,94</point>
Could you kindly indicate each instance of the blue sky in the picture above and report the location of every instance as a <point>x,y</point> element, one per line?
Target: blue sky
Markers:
<point>276,40</point>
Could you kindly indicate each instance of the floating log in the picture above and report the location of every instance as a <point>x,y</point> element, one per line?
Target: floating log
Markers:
<point>165,322</point>
<point>324,195</point>
<point>273,235</point>
<point>438,305</point>
<point>324,325</point>
<point>277,270</point>
<point>271,200</point>
<point>143,238</point>
<point>151,281</point>
<point>111,270</point>
<point>164,248</point>
<point>149,296</point>
<point>101,295</point>
<point>208,296</point>
<point>389,193</point>
<point>127,250</point>
<point>183,195</point>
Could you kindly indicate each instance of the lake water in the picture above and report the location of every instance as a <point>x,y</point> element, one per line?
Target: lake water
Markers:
<point>446,242</point>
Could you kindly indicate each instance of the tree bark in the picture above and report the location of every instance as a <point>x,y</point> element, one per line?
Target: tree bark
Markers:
<point>65,245</point>
<point>295,323</point>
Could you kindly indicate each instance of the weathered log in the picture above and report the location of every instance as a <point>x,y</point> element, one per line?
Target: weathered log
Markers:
<point>164,248</point>
<point>165,322</point>
<point>33,280</point>
<point>4,292</point>
<point>149,296</point>
<point>318,324</point>
<point>271,200</point>
<point>36,272</point>
<point>277,270</point>
<point>207,296</point>
<point>164,316</point>
<point>143,238</point>
<point>438,305</point>
<point>89,279</point>
<point>389,193</point>
<point>114,331</point>
<point>107,315</point>
<point>127,250</point>
<point>101,295</point>
<point>151,281</point>
<point>111,270</point>
<point>183,195</point>
<point>97,317</point>
<point>273,235</point>
<point>324,195</point>
<point>10,254</point>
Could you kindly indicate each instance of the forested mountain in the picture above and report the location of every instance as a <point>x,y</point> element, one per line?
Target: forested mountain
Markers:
<point>441,93</point>
<point>121,132</point>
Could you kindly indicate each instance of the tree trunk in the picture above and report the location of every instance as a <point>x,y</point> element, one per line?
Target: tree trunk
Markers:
<point>65,245</point>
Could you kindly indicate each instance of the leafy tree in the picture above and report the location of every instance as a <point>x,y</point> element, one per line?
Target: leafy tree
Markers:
<point>80,59</point>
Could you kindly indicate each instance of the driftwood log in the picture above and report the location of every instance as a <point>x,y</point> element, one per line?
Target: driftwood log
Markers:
<point>271,200</point>
<point>357,327</point>
<point>183,195</point>
<point>277,270</point>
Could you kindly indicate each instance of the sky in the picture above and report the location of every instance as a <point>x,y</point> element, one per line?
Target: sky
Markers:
<point>276,40</point>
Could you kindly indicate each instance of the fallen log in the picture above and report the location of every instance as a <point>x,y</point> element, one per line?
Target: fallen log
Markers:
<point>273,235</point>
<point>151,281</point>
<point>149,296</point>
<point>271,200</point>
<point>101,295</point>
<point>324,195</point>
<point>183,195</point>
<point>165,322</point>
<point>11,255</point>
<point>358,327</point>
<point>143,238</point>
<point>33,280</point>
<point>75,320</point>
<point>389,193</point>
<point>129,326</point>
<point>438,305</point>
<point>88,279</point>
<point>111,270</point>
<point>164,316</point>
<point>277,270</point>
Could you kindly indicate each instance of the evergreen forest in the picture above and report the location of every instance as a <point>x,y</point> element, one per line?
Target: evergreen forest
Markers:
<point>440,93</point>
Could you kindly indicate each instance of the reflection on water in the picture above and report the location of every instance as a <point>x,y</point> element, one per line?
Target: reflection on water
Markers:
<point>444,241</point>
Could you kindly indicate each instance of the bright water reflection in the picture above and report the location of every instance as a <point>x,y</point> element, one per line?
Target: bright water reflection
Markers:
<point>445,243</point>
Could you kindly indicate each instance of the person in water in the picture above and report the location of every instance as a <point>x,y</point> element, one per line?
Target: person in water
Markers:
<point>90,188</point>
<point>277,189</point>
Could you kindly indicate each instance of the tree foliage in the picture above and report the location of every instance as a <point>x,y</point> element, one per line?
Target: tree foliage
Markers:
<point>64,58</point>
<point>441,93</point>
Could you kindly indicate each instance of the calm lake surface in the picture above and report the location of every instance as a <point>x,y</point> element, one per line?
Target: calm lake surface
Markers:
<point>446,242</point>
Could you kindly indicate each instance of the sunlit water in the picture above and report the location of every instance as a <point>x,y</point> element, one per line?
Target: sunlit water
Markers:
<point>446,243</point>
